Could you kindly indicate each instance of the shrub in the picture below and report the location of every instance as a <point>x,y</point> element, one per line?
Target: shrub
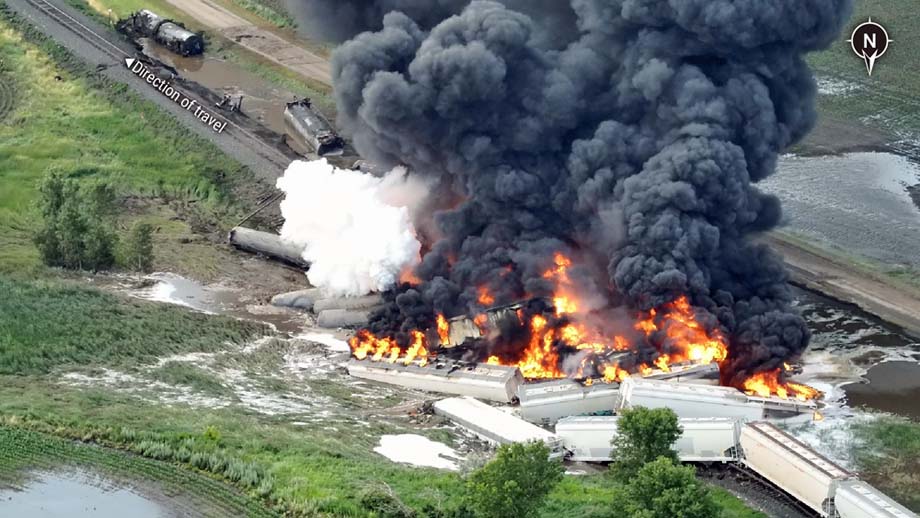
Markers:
<point>137,253</point>
<point>383,502</point>
<point>515,483</point>
<point>662,489</point>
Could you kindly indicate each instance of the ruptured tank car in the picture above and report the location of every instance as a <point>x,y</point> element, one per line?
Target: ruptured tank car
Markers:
<point>171,34</point>
<point>308,131</point>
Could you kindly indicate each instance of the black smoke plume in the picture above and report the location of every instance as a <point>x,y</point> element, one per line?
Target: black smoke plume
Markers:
<point>339,20</point>
<point>633,149</point>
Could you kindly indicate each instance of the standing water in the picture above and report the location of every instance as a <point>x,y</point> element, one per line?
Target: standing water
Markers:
<point>76,495</point>
<point>858,202</point>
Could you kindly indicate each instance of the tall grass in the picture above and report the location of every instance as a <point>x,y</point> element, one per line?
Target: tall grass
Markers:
<point>45,324</point>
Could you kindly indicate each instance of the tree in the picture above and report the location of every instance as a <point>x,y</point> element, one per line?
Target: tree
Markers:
<point>515,483</point>
<point>138,248</point>
<point>643,435</point>
<point>77,224</point>
<point>663,489</point>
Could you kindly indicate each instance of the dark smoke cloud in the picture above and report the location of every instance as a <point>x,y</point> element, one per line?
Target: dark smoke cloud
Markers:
<point>339,20</point>
<point>635,149</point>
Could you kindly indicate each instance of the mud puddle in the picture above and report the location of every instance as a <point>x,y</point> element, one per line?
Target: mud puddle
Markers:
<point>858,202</point>
<point>79,494</point>
<point>891,387</point>
<point>262,101</point>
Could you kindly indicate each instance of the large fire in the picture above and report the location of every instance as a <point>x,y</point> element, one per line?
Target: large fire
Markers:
<point>672,329</point>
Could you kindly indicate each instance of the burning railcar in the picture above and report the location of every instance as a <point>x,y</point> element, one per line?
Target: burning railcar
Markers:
<point>309,131</point>
<point>556,337</point>
<point>171,34</point>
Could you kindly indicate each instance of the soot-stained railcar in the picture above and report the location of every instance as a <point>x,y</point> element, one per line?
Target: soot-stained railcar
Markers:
<point>310,131</point>
<point>172,35</point>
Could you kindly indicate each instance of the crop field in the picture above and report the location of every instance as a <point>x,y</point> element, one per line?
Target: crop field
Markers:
<point>22,451</point>
<point>889,100</point>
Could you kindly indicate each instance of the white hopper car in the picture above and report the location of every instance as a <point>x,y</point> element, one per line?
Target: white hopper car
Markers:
<point>695,400</point>
<point>856,499</point>
<point>587,438</point>
<point>793,467</point>
<point>547,402</point>
<point>495,426</point>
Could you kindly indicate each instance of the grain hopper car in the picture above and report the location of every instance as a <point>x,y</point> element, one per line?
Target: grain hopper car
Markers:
<point>308,131</point>
<point>171,34</point>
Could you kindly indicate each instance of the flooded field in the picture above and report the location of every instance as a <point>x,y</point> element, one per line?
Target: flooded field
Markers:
<point>858,202</point>
<point>78,494</point>
<point>858,361</point>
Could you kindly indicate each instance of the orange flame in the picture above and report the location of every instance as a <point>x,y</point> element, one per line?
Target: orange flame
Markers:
<point>407,276</point>
<point>365,344</point>
<point>481,320</point>
<point>486,298</point>
<point>766,384</point>
<point>443,330</point>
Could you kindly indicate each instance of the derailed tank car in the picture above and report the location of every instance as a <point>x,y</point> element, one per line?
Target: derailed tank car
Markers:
<point>309,131</point>
<point>170,34</point>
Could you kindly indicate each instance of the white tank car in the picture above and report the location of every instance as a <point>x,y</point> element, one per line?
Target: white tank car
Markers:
<point>856,499</point>
<point>793,467</point>
<point>587,438</point>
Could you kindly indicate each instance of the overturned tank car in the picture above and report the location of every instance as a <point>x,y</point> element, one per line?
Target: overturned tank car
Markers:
<point>308,131</point>
<point>172,35</point>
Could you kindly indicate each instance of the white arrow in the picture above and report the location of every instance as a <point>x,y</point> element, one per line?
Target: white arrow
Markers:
<point>130,62</point>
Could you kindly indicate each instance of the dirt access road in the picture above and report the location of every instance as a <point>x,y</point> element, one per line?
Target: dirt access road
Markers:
<point>899,305</point>
<point>256,39</point>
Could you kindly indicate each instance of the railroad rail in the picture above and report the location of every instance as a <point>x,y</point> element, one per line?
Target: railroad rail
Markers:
<point>101,43</point>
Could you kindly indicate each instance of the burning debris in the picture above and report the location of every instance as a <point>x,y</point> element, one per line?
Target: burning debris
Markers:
<point>601,194</point>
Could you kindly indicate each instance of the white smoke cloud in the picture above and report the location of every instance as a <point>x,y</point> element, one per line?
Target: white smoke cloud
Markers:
<point>355,229</point>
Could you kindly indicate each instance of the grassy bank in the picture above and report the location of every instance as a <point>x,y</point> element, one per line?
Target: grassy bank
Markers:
<point>903,277</point>
<point>315,462</point>
<point>888,456</point>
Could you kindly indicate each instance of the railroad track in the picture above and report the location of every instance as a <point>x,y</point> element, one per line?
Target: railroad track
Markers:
<point>101,43</point>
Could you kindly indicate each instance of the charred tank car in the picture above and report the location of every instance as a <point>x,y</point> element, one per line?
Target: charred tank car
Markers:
<point>309,131</point>
<point>170,34</point>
